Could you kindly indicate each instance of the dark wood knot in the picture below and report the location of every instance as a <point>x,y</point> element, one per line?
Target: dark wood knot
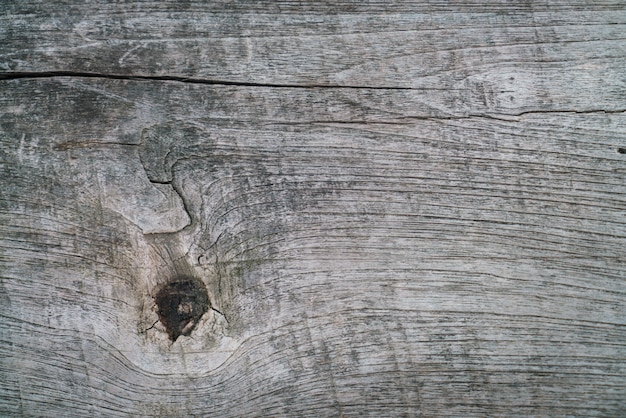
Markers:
<point>181,303</point>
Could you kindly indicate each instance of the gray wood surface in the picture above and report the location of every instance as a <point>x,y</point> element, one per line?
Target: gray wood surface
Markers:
<point>397,208</point>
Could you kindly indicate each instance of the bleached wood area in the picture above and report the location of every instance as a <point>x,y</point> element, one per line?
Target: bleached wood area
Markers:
<point>408,208</point>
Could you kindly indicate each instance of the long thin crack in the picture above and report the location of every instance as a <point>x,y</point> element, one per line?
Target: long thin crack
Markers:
<point>89,144</point>
<point>182,79</point>
<point>410,120</point>
<point>218,82</point>
<point>583,112</point>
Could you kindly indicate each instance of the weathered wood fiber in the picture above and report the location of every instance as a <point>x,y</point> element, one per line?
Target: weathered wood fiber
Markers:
<point>397,209</point>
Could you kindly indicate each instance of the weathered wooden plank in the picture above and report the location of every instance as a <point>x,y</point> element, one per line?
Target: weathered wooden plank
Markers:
<point>555,53</point>
<point>450,245</point>
<point>427,266</point>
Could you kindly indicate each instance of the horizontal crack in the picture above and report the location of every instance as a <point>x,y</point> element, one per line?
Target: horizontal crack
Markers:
<point>590,111</point>
<point>409,120</point>
<point>90,144</point>
<point>180,79</point>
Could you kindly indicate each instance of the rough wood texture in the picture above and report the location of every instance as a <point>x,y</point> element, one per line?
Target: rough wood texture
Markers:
<point>409,209</point>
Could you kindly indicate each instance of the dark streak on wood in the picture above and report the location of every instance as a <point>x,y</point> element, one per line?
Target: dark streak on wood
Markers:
<point>191,80</point>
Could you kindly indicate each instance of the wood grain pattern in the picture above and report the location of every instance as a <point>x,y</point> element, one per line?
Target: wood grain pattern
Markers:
<point>407,209</point>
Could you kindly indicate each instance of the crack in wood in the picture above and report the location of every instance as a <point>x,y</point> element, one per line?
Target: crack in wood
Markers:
<point>64,146</point>
<point>190,80</point>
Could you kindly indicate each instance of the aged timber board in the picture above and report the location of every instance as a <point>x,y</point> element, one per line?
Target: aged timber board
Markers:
<point>312,209</point>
